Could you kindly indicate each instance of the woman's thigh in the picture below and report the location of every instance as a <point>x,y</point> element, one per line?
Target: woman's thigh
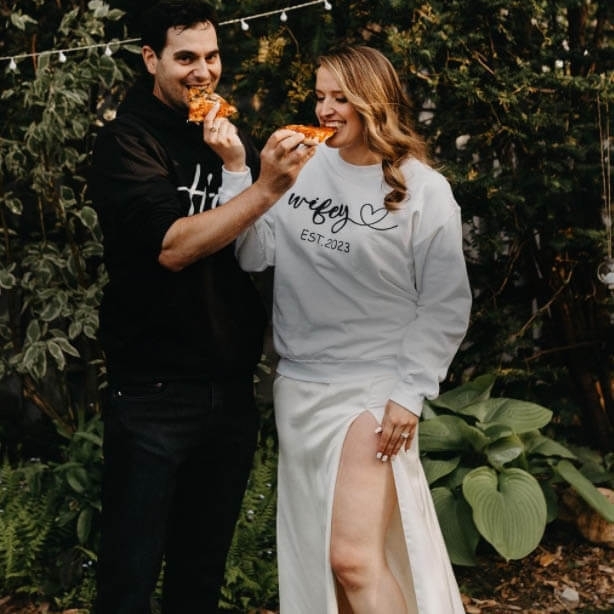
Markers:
<point>364,496</point>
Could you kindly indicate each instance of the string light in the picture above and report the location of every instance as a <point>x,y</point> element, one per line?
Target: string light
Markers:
<point>243,21</point>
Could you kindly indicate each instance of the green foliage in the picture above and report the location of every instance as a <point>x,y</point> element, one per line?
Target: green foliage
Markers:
<point>26,522</point>
<point>251,569</point>
<point>50,253</point>
<point>79,476</point>
<point>493,474</point>
<point>49,520</point>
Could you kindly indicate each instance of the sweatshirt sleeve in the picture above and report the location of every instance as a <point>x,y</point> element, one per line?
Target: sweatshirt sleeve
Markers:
<point>233,183</point>
<point>255,248</point>
<point>443,307</point>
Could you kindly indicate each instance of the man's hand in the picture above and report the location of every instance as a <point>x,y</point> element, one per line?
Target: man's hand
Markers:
<point>221,135</point>
<point>281,159</point>
<point>193,237</point>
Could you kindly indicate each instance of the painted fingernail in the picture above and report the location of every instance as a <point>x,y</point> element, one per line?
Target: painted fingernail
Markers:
<point>378,430</point>
<point>378,456</point>
<point>384,458</point>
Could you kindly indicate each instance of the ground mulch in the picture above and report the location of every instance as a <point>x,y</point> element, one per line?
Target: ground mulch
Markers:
<point>566,573</point>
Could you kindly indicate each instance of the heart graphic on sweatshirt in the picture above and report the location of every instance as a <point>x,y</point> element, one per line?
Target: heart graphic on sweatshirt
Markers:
<point>371,217</point>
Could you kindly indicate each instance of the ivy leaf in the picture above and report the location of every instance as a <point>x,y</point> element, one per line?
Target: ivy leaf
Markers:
<point>35,360</point>
<point>56,352</point>
<point>7,279</point>
<point>19,20</point>
<point>33,332</point>
<point>67,347</point>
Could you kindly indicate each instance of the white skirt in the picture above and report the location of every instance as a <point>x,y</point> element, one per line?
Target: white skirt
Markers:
<point>312,422</point>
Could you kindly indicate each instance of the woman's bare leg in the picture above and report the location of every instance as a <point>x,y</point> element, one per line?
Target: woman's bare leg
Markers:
<point>363,504</point>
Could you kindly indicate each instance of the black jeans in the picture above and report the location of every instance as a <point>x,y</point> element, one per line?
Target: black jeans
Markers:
<point>177,455</point>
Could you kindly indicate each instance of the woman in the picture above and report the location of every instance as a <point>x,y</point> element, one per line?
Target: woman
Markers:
<point>371,302</point>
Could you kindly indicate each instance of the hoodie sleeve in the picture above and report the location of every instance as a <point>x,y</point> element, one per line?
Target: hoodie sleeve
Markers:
<point>133,194</point>
<point>444,301</point>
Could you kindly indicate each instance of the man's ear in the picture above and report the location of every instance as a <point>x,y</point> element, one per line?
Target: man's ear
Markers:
<point>150,59</point>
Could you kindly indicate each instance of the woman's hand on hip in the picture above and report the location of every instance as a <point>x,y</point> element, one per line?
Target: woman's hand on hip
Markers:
<point>396,432</point>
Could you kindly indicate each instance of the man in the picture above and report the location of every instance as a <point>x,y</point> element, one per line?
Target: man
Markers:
<point>181,324</point>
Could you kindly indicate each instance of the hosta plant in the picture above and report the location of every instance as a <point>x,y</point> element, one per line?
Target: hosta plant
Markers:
<point>493,474</point>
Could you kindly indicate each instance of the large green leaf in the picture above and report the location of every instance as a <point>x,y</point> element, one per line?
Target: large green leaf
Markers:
<point>497,431</point>
<point>477,389</point>
<point>586,489</point>
<point>458,530</point>
<point>509,509</point>
<point>520,416</point>
<point>435,468</point>
<point>536,443</point>
<point>449,434</point>
<point>504,451</point>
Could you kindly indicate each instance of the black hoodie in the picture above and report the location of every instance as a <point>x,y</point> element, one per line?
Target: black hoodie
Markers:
<point>150,168</point>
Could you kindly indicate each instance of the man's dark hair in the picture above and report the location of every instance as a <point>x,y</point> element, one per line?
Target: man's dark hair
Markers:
<point>166,14</point>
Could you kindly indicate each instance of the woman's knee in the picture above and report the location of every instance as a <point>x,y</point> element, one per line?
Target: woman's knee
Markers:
<point>351,564</point>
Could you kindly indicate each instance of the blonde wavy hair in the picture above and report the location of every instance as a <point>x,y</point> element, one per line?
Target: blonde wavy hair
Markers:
<point>372,86</point>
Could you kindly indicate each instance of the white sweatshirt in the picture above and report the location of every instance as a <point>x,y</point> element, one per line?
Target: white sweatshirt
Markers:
<point>359,290</point>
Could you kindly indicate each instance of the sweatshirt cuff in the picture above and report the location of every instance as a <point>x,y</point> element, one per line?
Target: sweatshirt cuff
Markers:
<point>410,401</point>
<point>233,183</point>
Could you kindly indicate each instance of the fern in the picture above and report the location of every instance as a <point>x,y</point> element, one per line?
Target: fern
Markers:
<point>48,520</point>
<point>26,526</point>
<point>251,570</point>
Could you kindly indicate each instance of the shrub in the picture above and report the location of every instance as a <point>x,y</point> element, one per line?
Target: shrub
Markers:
<point>493,474</point>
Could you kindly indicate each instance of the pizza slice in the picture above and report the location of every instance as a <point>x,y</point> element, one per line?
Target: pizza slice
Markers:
<point>314,135</point>
<point>201,101</point>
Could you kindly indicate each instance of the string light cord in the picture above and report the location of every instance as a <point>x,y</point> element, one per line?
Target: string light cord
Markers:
<point>61,52</point>
<point>244,20</point>
<point>12,59</point>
